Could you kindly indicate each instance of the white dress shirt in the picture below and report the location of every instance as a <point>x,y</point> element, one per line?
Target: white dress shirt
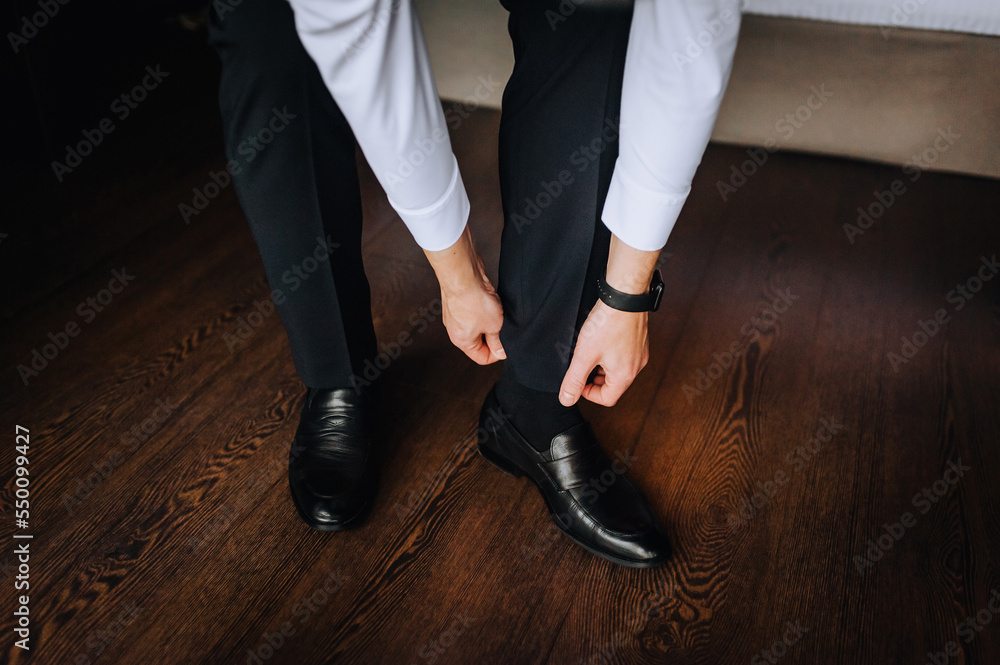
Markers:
<point>677,65</point>
<point>372,56</point>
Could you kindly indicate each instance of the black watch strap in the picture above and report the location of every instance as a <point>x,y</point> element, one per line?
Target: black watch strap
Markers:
<point>630,302</point>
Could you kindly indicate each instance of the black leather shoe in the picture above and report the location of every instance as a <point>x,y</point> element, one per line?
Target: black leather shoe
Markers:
<point>332,471</point>
<point>587,493</point>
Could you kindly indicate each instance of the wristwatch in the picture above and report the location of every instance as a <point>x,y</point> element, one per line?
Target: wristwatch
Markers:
<point>630,302</point>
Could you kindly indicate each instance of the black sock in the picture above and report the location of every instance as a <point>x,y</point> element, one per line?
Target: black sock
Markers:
<point>536,414</point>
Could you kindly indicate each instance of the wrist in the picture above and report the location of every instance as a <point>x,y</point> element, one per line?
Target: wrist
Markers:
<point>457,281</point>
<point>458,268</point>
<point>629,270</point>
<point>633,282</point>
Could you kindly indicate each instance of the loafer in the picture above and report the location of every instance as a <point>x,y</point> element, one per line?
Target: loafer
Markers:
<point>332,471</point>
<point>587,493</point>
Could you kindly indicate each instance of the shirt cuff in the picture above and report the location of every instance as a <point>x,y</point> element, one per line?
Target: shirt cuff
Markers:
<point>439,225</point>
<point>640,217</point>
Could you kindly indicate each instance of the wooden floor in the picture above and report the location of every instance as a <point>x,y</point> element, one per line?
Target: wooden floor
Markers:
<point>183,546</point>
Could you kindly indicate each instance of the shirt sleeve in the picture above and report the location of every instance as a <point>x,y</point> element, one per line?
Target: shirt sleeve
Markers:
<point>373,58</point>
<point>677,65</point>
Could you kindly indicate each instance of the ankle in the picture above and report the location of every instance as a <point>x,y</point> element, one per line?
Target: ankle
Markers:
<point>536,414</point>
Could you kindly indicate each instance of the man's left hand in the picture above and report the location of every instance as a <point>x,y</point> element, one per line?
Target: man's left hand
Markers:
<point>617,344</point>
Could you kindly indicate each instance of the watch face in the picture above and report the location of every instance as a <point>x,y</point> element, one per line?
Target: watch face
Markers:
<point>657,291</point>
<point>658,296</point>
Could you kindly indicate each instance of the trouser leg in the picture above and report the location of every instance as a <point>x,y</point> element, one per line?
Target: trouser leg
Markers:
<point>558,145</point>
<point>294,170</point>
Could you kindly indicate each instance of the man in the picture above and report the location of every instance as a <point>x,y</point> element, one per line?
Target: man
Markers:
<point>583,225</point>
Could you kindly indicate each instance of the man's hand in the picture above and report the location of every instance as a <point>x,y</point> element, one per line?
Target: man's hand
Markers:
<point>473,318</point>
<point>470,308</point>
<point>614,342</point>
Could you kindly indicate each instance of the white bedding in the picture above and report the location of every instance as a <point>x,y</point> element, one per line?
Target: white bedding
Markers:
<point>976,16</point>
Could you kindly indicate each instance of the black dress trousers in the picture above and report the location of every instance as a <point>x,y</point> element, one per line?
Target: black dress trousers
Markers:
<point>558,145</point>
<point>299,191</point>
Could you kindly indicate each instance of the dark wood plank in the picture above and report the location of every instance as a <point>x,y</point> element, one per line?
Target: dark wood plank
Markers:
<point>216,562</point>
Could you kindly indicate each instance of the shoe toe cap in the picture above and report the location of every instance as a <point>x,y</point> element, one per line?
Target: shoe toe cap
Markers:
<point>336,512</point>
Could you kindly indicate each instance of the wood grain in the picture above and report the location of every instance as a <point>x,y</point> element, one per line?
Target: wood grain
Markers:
<point>458,562</point>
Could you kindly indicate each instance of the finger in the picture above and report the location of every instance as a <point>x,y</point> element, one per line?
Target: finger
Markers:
<point>607,393</point>
<point>471,346</point>
<point>600,395</point>
<point>596,395</point>
<point>479,352</point>
<point>496,348</point>
<point>598,377</point>
<point>576,379</point>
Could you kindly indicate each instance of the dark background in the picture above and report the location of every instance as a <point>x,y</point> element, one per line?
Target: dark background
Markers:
<point>63,82</point>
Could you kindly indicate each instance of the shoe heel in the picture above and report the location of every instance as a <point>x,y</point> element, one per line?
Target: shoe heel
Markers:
<point>499,462</point>
<point>488,424</point>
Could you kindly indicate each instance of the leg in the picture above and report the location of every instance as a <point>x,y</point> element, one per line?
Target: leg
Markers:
<point>558,145</point>
<point>297,182</point>
<point>296,179</point>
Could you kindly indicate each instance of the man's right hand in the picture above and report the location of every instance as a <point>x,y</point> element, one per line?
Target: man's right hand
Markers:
<point>473,319</point>
<point>470,307</point>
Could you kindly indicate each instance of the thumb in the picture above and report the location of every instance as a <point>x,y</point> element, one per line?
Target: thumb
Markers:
<point>496,348</point>
<point>575,379</point>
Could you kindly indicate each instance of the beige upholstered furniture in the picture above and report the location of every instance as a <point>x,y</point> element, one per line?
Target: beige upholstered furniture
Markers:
<point>891,88</point>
